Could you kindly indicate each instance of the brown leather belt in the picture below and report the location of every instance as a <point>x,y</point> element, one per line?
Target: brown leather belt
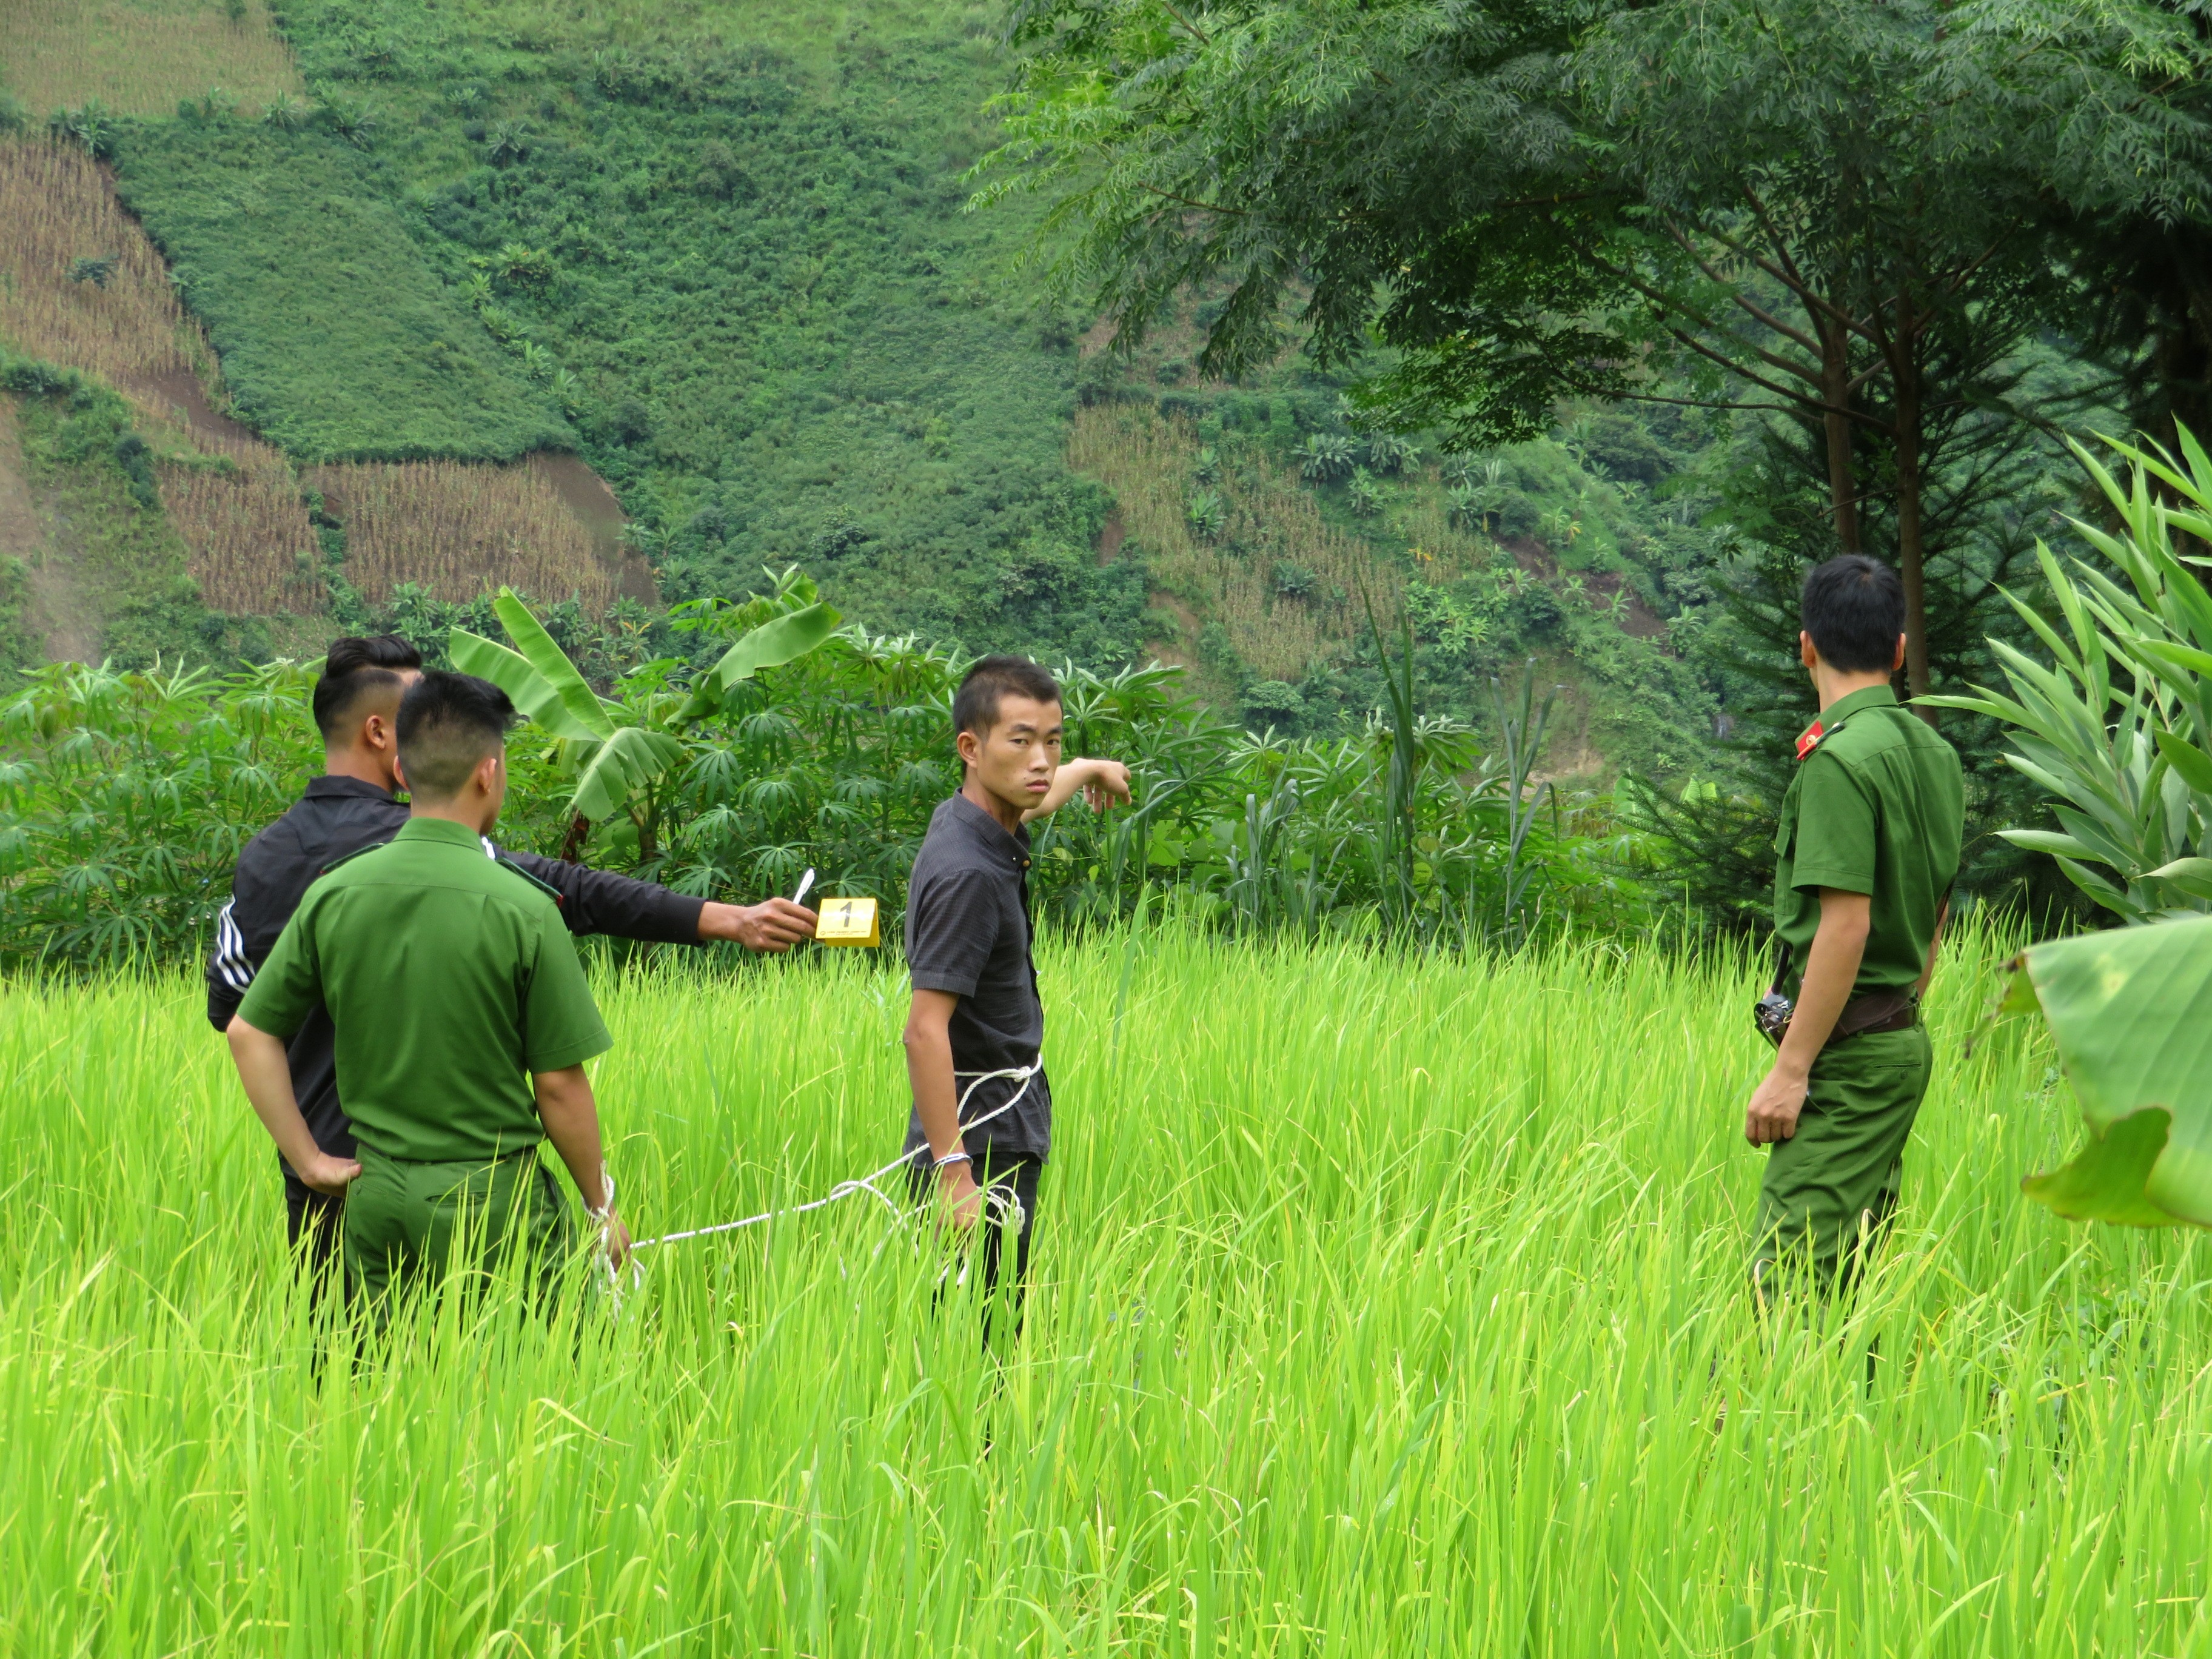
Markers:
<point>1903,1020</point>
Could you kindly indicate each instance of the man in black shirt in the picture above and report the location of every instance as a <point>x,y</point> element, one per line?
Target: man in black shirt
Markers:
<point>976,1009</point>
<point>349,807</point>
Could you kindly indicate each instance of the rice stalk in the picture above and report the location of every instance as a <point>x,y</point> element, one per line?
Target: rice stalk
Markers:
<point>1384,1305</point>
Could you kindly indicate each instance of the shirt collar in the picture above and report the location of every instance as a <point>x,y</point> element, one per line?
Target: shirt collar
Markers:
<point>326,786</point>
<point>1843,708</point>
<point>991,833</point>
<point>441,829</point>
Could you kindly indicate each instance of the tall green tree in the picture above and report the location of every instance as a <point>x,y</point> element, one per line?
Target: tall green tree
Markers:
<point>1837,215</point>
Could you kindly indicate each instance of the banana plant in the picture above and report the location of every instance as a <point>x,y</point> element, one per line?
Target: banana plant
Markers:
<point>2118,728</point>
<point>2131,1012</point>
<point>619,754</point>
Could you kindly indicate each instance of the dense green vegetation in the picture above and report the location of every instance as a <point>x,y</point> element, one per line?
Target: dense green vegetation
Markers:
<point>126,796</point>
<point>126,563</point>
<point>1380,1308</point>
<point>748,279</point>
<point>337,342</point>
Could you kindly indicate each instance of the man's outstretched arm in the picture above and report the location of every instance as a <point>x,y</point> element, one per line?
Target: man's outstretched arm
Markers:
<point>1104,783</point>
<point>266,1072</point>
<point>600,902</point>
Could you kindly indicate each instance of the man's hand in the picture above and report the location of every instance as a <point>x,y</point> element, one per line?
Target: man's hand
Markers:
<point>771,927</point>
<point>329,1176</point>
<point>265,1069</point>
<point>963,1198</point>
<point>1831,966</point>
<point>1107,786</point>
<point>614,1237</point>
<point>1775,1104</point>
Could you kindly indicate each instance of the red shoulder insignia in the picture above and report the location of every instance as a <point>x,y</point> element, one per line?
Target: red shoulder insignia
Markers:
<point>1808,739</point>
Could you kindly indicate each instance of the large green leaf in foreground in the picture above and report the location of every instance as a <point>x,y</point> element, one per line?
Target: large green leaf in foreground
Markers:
<point>2131,1010</point>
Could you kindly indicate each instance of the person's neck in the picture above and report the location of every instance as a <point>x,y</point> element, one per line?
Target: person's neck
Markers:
<point>468,814</point>
<point>362,768</point>
<point>1009,816</point>
<point>1832,685</point>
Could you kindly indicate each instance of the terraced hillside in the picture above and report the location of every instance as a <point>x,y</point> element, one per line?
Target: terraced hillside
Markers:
<point>720,254</point>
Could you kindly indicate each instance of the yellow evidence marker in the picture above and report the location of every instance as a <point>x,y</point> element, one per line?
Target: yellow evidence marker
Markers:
<point>848,921</point>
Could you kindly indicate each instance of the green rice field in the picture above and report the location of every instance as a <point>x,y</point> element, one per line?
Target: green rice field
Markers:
<point>1384,1306</point>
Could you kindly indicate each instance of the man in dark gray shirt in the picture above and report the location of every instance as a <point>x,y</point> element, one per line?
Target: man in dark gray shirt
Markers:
<point>976,1009</point>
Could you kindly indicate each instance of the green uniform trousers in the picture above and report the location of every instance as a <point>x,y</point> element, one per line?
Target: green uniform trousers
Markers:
<point>403,1219</point>
<point>1830,1189</point>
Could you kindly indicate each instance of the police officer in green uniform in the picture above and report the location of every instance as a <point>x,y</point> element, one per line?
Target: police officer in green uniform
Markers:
<point>461,1015</point>
<point>1868,845</point>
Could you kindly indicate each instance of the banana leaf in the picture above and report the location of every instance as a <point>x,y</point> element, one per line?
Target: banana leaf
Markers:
<point>2131,1012</point>
<point>773,643</point>
<point>629,760</point>
<point>544,683</point>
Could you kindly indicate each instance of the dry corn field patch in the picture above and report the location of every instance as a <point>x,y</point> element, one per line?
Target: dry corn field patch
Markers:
<point>250,545</point>
<point>122,321</point>
<point>1267,520</point>
<point>456,530</point>
<point>459,530</point>
<point>141,56</point>
<point>244,527</point>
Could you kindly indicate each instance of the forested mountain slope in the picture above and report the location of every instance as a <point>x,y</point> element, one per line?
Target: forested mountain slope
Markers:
<point>721,252</point>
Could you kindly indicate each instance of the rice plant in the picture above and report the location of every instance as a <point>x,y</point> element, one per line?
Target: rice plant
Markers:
<point>1384,1306</point>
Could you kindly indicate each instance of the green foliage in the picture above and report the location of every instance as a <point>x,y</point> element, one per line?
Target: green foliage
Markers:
<point>124,562</point>
<point>89,126</point>
<point>1452,1248</point>
<point>124,798</point>
<point>621,756</point>
<point>772,749</point>
<point>98,269</point>
<point>338,340</point>
<point>2131,1012</point>
<point>2118,728</point>
<point>746,275</point>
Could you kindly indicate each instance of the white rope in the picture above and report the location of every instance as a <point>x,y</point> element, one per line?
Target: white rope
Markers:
<point>866,1183</point>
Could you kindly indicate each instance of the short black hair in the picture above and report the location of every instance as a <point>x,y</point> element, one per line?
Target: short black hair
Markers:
<point>975,704</point>
<point>1854,608</point>
<point>353,667</point>
<point>447,724</point>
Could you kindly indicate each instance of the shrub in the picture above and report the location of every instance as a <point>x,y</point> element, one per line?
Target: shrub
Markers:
<point>2126,755</point>
<point>1325,457</point>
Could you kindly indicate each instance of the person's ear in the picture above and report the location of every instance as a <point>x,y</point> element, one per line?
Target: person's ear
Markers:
<point>378,732</point>
<point>1898,661</point>
<point>969,747</point>
<point>487,770</point>
<point>1808,653</point>
<point>399,775</point>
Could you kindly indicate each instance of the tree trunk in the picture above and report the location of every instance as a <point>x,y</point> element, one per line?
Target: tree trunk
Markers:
<point>1835,391</point>
<point>1905,372</point>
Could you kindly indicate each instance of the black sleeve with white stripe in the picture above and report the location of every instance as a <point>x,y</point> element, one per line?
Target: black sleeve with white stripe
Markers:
<point>229,969</point>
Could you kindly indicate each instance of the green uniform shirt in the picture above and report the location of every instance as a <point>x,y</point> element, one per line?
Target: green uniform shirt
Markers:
<point>1878,806</point>
<point>449,978</point>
